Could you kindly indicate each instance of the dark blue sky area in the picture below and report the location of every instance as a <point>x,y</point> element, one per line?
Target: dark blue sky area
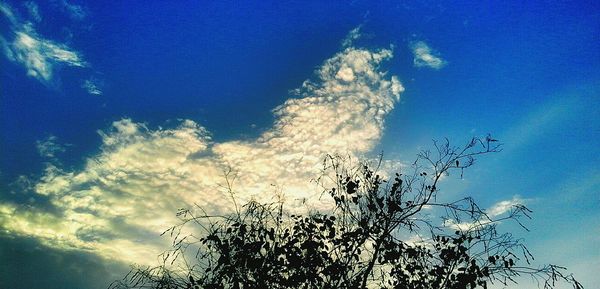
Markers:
<point>212,61</point>
<point>160,62</point>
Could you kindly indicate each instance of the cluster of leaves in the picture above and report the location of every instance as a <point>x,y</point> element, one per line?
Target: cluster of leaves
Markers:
<point>365,241</point>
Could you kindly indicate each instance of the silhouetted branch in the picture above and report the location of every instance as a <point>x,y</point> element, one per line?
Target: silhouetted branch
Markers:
<point>374,236</point>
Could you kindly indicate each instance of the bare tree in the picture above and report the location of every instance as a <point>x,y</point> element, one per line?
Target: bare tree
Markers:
<point>367,239</point>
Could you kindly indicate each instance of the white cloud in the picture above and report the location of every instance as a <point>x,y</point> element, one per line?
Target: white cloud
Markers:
<point>503,207</point>
<point>37,54</point>
<point>40,55</point>
<point>128,193</point>
<point>493,212</point>
<point>424,56</point>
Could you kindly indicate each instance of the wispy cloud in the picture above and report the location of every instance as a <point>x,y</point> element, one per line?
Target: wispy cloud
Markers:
<point>352,36</point>
<point>38,55</point>
<point>544,117</point>
<point>49,147</point>
<point>34,11</point>
<point>6,10</point>
<point>424,56</point>
<point>76,12</point>
<point>92,86</point>
<point>128,193</point>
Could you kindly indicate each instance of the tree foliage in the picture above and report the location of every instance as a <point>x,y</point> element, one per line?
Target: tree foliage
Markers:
<point>381,232</point>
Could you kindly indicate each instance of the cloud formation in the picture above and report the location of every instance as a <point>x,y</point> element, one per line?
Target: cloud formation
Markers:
<point>38,55</point>
<point>128,193</point>
<point>492,213</point>
<point>424,56</point>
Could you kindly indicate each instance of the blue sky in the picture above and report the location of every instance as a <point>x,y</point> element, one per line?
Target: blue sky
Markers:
<point>97,98</point>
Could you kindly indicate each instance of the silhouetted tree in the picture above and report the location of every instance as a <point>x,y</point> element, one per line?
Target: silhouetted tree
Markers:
<point>367,239</point>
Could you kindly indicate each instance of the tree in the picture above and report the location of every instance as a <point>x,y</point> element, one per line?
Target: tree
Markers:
<point>366,240</point>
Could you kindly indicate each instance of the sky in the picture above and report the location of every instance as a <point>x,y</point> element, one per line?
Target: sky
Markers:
<point>114,114</point>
